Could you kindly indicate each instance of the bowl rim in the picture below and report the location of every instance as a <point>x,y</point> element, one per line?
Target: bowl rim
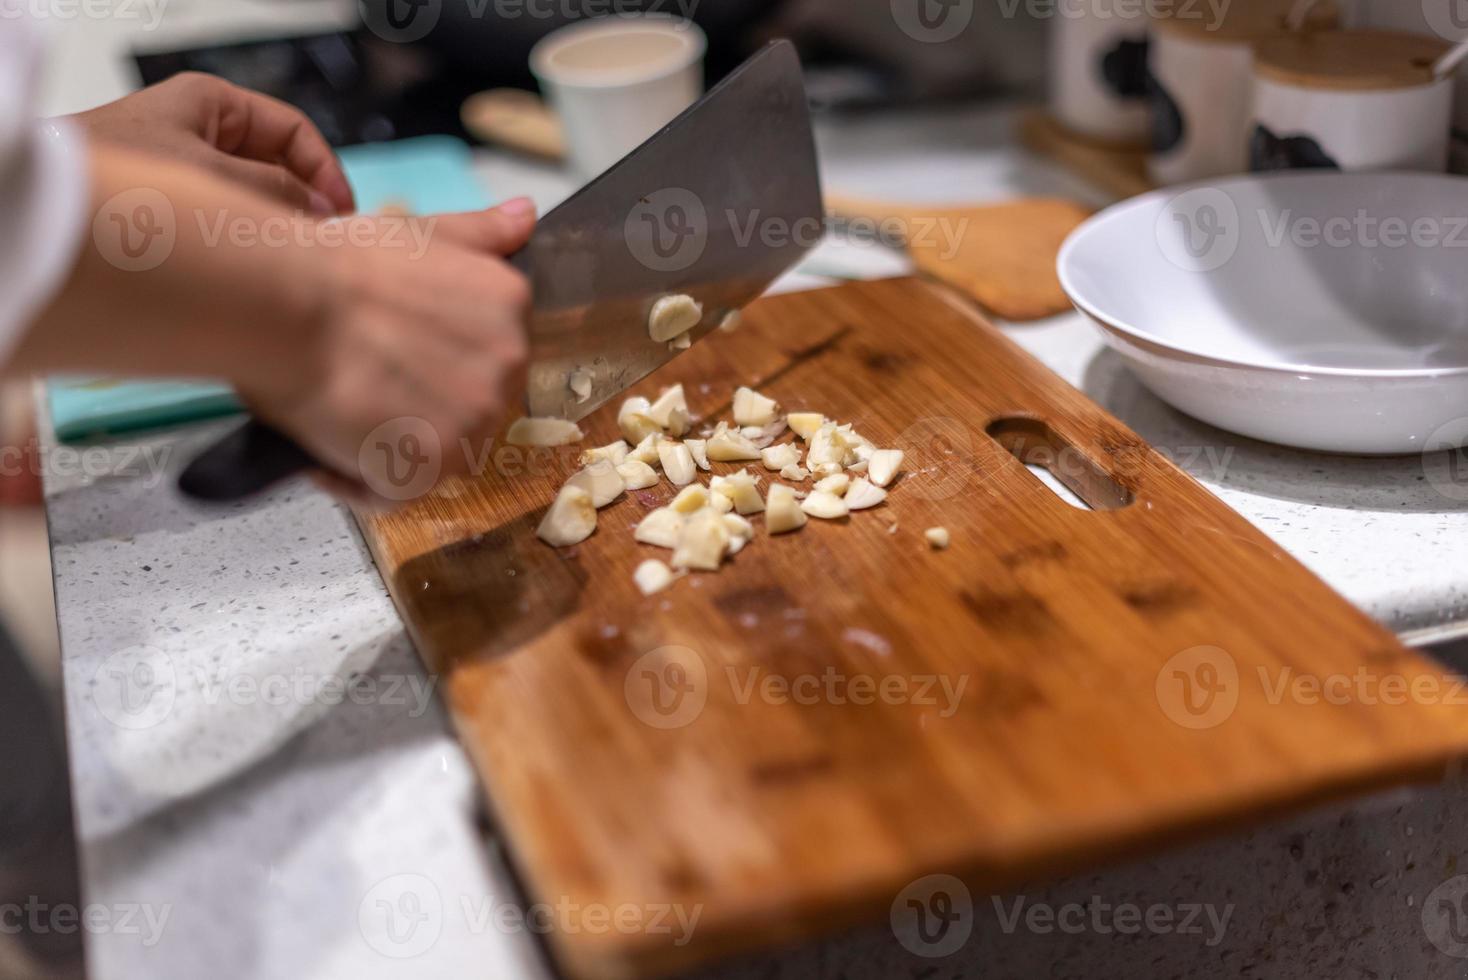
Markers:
<point>1161,346</point>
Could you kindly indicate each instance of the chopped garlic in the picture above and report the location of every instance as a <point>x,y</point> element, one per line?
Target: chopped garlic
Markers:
<point>937,537</point>
<point>779,457</point>
<point>680,342</point>
<point>824,470</point>
<point>690,499</point>
<point>670,411</point>
<point>614,453</point>
<point>602,481</point>
<point>677,462</point>
<point>720,503</point>
<point>637,475</point>
<point>730,323</point>
<point>673,316</point>
<point>797,473</point>
<point>834,484</point>
<point>826,506</point>
<point>739,488</point>
<point>883,466</point>
<point>543,432</point>
<point>647,450</point>
<point>570,520</point>
<point>752,408</point>
<point>738,527</point>
<point>652,576</point>
<point>660,528</point>
<point>702,542</point>
<point>752,432</point>
<point>805,424</point>
<point>699,449</point>
<point>862,495</point>
<point>635,423</point>
<point>782,511</point>
<point>580,384</point>
<point>725,446</point>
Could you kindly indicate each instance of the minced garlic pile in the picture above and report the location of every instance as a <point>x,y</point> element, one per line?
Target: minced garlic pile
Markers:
<point>705,524</point>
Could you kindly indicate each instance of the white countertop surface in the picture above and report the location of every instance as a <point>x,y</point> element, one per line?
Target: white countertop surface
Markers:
<point>278,821</point>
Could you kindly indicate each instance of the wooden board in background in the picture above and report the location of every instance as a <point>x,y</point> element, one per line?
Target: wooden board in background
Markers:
<point>1075,634</point>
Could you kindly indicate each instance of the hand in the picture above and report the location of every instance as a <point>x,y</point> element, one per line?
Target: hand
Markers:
<point>426,343</point>
<point>243,136</point>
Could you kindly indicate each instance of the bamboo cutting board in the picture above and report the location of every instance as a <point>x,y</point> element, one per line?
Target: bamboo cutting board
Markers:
<point>1059,688</point>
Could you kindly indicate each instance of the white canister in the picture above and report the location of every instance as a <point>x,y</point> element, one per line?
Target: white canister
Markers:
<point>1352,100</point>
<point>1202,84</point>
<point>1098,73</point>
<point>615,81</point>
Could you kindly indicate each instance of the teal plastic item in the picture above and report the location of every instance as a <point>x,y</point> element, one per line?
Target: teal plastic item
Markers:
<point>425,175</point>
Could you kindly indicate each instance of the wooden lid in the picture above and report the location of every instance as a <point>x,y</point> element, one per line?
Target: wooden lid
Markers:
<point>1355,61</point>
<point>1242,20</point>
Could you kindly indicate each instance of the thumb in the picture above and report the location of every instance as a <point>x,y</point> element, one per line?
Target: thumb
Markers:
<point>499,230</point>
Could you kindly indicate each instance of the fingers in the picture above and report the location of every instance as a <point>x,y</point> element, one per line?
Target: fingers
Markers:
<point>500,230</point>
<point>274,182</point>
<point>257,127</point>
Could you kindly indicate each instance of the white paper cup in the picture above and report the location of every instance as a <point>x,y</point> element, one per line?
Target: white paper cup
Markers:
<point>615,81</point>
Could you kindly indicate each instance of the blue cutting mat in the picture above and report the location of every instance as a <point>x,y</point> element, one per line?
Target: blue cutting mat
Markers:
<point>425,175</point>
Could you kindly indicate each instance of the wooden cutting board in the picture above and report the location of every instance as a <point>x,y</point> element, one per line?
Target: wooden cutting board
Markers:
<point>1124,677</point>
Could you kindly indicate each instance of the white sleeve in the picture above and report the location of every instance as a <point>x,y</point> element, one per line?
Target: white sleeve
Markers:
<point>43,185</point>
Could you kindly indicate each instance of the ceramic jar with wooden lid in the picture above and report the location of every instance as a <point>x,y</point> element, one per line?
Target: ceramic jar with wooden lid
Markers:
<point>1352,100</point>
<point>1202,76</point>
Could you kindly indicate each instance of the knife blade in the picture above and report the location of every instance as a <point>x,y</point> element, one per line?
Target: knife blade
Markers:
<point>716,205</point>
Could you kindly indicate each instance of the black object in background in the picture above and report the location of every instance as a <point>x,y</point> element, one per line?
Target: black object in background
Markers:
<point>356,87</point>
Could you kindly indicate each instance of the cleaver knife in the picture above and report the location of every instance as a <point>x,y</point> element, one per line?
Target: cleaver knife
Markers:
<point>716,205</point>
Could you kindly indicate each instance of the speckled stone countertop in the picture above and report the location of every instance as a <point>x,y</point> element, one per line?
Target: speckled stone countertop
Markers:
<point>259,761</point>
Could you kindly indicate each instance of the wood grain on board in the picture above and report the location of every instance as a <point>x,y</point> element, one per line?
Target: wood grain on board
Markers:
<point>1059,688</point>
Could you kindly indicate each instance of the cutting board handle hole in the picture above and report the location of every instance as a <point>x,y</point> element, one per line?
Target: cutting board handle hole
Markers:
<point>1059,466</point>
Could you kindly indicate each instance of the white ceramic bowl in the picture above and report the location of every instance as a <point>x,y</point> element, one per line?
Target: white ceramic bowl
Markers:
<point>1325,311</point>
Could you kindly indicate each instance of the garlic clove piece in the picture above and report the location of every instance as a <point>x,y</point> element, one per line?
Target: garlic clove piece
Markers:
<point>652,577</point>
<point>570,520</point>
<point>543,432</point>
<point>579,382</point>
<point>699,449</point>
<point>690,499</point>
<point>614,453</point>
<point>805,424</point>
<point>677,462</point>
<point>635,423</point>
<point>727,446</point>
<point>637,475</point>
<point>753,409</point>
<point>702,542</point>
<point>670,411</point>
<point>602,481</point>
<point>660,528</point>
<point>740,488</point>
<point>779,457</point>
<point>826,506</point>
<point>883,466</point>
<point>782,510</point>
<point>673,316</point>
<point>938,537</point>
<point>836,484</point>
<point>647,450</point>
<point>862,494</point>
<point>797,473</point>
